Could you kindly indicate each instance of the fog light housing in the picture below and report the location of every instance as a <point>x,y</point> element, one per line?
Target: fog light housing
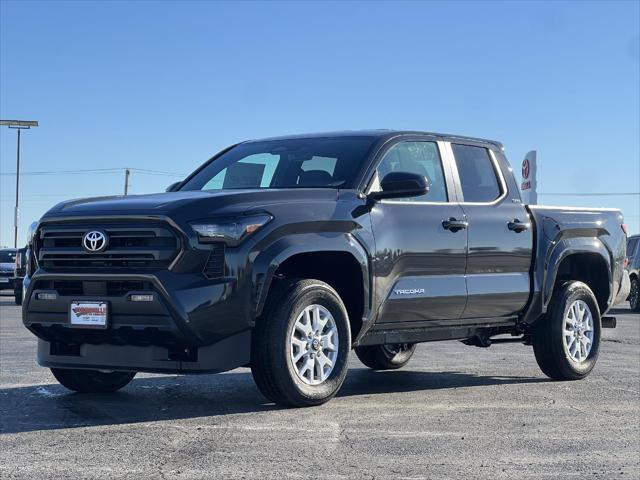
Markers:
<point>137,297</point>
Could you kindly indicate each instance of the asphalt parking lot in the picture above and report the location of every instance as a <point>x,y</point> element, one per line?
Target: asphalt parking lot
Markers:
<point>454,412</point>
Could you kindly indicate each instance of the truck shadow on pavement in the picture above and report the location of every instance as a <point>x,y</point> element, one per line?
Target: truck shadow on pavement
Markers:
<point>50,407</point>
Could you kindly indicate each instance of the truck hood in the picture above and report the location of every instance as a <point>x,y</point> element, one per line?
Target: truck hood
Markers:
<point>191,204</point>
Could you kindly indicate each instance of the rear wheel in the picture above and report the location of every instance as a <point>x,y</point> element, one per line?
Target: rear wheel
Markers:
<point>92,381</point>
<point>567,340</point>
<point>386,357</point>
<point>300,347</point>
<point>17,295</point>
<point>634,295</point>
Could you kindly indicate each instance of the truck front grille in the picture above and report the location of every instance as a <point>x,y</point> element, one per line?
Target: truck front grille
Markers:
<point>60,247</point>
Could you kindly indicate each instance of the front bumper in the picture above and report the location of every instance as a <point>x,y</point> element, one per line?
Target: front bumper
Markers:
<point>192,324</point>
<point>227,354</point>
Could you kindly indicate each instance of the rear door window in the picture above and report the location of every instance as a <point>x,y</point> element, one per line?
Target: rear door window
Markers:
<point>478,176</point>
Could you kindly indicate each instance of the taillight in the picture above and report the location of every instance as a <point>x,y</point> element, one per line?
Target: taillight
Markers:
<point>624,227</point>
<point>626,263</point>
<point>29,268</point>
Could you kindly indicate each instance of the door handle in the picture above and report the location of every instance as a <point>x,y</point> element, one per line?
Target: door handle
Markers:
<point>517,226</point>
<point>453,224</point>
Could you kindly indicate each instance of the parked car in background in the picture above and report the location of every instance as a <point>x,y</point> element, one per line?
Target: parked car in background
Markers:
<point>7,268</point>
<point>19,272</point>
<point>633,267</point>
<point>284,254</point>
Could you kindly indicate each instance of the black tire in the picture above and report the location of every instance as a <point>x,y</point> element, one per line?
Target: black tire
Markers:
<point>17,296</point>
<point>634,295</point>
<point>92,381</point>
<point>548,338</point>
<point>271,363</point>
<point>386,357</point>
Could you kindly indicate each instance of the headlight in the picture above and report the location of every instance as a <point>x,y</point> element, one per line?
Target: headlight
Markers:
<point>232,232</point>
<point>31,232</point>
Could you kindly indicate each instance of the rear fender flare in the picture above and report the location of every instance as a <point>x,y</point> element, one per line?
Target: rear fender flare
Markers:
<point>565,248</point>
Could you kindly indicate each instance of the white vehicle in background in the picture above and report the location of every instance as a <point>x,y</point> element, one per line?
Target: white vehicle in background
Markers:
<point>7,268</point>
<point>633,267</point>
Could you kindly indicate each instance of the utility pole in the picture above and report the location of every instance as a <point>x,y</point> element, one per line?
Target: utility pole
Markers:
<point>18,125</point>
<point>127,173</point>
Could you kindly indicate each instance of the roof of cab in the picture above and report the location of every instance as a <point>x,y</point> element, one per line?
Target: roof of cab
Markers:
<point>381,133</point>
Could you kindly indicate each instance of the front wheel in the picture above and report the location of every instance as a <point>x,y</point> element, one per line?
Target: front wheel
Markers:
<point>566,342</point>
<point>386,357</point>
<point>17,296</point>
<point>634,295</point>
<point>300,346</point>
<point>92,381</point>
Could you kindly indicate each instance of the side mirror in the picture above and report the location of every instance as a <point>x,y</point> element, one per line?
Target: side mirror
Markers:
<point>172,187</point>
<point>402,184</point>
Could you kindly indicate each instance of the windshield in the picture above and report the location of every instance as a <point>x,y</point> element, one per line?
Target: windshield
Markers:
<point>7,257</point>
<point>292,163</point>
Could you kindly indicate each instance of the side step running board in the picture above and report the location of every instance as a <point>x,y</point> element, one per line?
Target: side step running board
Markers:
<point>609,322</point>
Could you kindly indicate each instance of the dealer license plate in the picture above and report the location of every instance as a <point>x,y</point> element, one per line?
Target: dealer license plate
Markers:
<point>88,314</point>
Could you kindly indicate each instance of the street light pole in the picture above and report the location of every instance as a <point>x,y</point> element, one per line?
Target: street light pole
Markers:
<point>18,125</point>
<point>16,213</point>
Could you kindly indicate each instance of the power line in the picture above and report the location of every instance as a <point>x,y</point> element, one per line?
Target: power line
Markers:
<point>98,171</point>
<point>52,195</point>
<point>53,200</point>
<point>158,172</point>
<point>67,172</point>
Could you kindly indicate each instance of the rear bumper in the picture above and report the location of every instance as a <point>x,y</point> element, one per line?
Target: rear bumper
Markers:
<point>192,325</point>
<point>7,283</point>
<point>625,288</point>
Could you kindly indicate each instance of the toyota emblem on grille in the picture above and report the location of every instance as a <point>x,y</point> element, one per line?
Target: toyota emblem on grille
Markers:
<point>94,241</point>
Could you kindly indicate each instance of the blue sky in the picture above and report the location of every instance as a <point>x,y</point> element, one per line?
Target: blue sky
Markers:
<point>164,85</point>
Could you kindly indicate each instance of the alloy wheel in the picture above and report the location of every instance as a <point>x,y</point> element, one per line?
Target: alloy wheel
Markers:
<point>314,344</point>
<point>578,331</point>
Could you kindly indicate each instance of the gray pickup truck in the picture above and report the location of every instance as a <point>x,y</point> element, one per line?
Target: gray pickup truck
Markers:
<point>285,254</point>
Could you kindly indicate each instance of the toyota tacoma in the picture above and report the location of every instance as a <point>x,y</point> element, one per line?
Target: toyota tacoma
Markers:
<point>286,254</point>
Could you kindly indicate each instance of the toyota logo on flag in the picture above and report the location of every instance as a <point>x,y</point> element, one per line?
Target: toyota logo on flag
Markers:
<point>94,241</point>
<point>526,169</point>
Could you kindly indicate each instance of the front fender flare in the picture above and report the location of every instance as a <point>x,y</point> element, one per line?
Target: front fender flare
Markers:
<point>267,261</point>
